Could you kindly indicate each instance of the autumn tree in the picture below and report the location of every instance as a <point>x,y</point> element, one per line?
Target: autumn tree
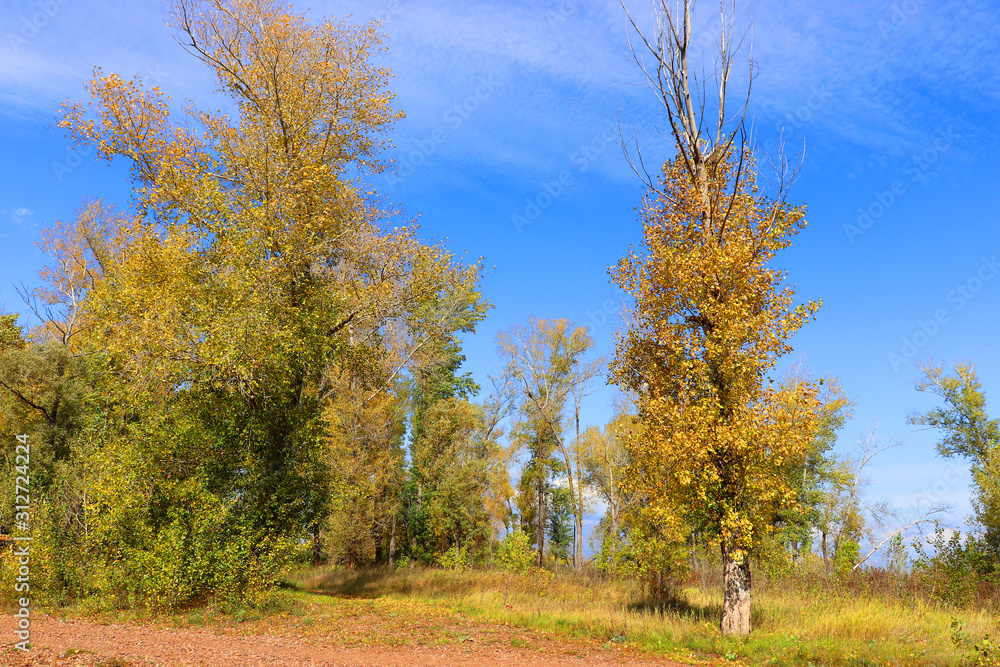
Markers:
<point>364,454</point>
<point>440,423</point>
<point>558,524</point>
<point>605,460</point>
<point>967,432</point>
<point>41,365</point>
<point>533,435</point>
<point>48,379</point>
<point>712,314</point>
<point>451,472</point>
<point>259,312</point>
<point>845,517</point>
<point>712,320</point>
<point>495,410</point>
<point>546,361</point>
<point>816,477</point>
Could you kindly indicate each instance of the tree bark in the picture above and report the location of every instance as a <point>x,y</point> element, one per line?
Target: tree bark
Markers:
<point>392,543</point>
<point>574,488</point>
<point>826,556</point>
<point>317,546</point>
<point>541,522</point>
<point>578,540</point>
<point>736,591</point>
<point>578,500</point>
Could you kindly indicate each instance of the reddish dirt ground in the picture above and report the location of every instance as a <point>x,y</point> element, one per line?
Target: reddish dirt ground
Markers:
<point>80,642</point>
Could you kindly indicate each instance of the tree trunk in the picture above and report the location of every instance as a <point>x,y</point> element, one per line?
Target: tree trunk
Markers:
<point>413,536</point>
<point>392,543</point>
<point>317,547</point>
<point>613,501</point>
<point>578,500</point>
<point>736,591</point>
<point>576,494</point>
<point>578,538</point>
<point>541,522</point>
<point>826,558</point>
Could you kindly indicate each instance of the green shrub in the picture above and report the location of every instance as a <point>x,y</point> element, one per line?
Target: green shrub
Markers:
<point>454,558</point>
<point>847,556</point>
<point>954,570</point>
<point>514,554</point>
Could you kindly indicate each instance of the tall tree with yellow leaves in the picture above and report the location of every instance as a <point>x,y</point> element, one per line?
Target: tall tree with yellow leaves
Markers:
<point>711,318</point>
<point>259,289</point>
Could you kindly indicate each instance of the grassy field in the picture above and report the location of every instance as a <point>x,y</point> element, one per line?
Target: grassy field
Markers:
<point>819,623</point>
<point>811,620</point>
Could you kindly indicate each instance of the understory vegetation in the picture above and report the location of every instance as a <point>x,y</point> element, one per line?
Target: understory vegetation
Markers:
<point>865,618</point>
<point>870,617</point>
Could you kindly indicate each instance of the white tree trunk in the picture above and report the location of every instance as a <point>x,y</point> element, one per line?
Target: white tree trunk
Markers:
<point>736,591</point>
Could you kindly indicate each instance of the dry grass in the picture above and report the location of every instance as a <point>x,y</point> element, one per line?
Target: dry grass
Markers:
<point>809,620</point>
<point>796,623</point>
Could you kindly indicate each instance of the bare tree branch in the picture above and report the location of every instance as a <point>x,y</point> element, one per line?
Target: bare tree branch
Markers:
<point>913,524</point>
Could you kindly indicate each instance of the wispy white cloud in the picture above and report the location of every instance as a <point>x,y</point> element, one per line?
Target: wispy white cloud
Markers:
<point>21,216</point>
<point>895,78</point>
<point>890,81</point>
<point>40,69</point>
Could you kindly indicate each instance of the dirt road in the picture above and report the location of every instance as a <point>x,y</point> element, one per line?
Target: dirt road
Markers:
<point>79,642</point>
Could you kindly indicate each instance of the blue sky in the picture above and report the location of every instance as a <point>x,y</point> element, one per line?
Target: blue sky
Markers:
<point>894,103</point>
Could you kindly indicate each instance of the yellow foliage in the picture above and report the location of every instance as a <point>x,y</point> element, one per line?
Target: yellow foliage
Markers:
<point>711,318</point>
